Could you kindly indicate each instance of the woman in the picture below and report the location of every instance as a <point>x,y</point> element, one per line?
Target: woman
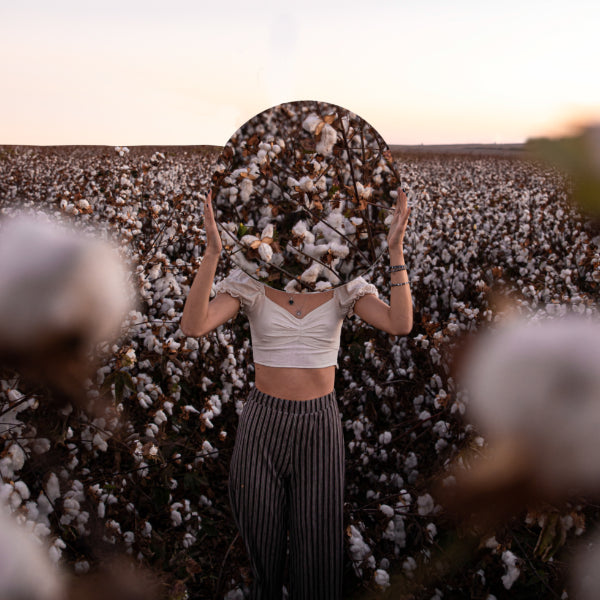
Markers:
<point>287,467</point>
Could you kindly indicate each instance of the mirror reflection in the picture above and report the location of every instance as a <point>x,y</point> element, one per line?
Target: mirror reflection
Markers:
<point>303,194</point>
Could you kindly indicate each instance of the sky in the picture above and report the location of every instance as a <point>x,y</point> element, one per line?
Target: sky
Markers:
<point>133,72</point>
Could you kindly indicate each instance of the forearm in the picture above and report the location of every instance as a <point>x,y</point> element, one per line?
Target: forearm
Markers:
<point>397,317</point>
<point>195,311</point>
<point>401,308</point>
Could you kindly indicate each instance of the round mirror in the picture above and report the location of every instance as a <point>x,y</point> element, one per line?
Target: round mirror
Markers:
<point>303,195</point>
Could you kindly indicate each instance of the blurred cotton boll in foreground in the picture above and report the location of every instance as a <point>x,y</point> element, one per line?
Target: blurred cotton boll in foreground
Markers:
<point>25,567</point>
<point>585,574</point>
<point>539,382</point>
<point>535,396</point>
<point>61,293</point>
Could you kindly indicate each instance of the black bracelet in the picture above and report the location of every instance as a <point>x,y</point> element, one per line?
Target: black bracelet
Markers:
<point>394,268</point>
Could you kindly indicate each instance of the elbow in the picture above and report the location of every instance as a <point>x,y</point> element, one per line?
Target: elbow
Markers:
<point>401,329</point>
<point>186,331</point>
<point>195,333</point>
<point>400,332</point>
<point>189,331</point>
<point>190,325</point>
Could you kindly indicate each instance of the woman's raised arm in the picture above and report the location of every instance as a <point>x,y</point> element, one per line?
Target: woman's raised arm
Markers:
<point>200,314</point>
<point>397,318</point>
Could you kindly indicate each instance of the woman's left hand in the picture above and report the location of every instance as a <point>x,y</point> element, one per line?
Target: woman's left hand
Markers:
<point>399,221</point>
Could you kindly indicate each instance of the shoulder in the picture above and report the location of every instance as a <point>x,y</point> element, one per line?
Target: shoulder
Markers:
<point>349,293</point>
<point>240,285</point>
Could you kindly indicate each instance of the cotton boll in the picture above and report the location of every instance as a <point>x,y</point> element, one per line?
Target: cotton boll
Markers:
<point>15,500</point>
<point>291,182</point>
<point>21,487</point>
<point>299,229</point>
<point>312,273</point>
<point>338,249</point>
<point>328,139</point>
<point>310,123</point>
<point>55,281</point>
<point>548,368</point>
<point>246,189</point>
<point>349,227</point>
<point>292,287</point>
<point>584,572</point>
<point>425,504</point>
<point>306,184</point>
<point>332,278</point>
<point>100,443</point>
<point>359,550</point>
<point>381,578</point>
<point>61,293</point>
<point>431,530</point>
<point>25,569</point>
<point>364,192</point>
<point>18,457</point>
<point>249,266</point>
<point>261,156</point>
<point>81,567</point>
<point>176,518</point>
<point>41,445</point>
<point>249,240</point>
<point>266,252</point>
<point>314,250</point>
<point>52,488</point>
<point>323,286</point>
<point>160,417</point>
<point>512,570</point>
<point>321,186</point>
<point>385,438</point>
<point>409,565</point>
<point>268,232</point>
<point>336,221</point>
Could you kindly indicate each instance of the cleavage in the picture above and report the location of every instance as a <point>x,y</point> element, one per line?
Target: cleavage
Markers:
<point>305,301</point>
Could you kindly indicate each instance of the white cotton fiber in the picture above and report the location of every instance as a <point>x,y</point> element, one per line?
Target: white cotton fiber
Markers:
<point>266,252</point>
<point>550,368</point>
<point>55,281</point>
<point>327,141</point>
<point>310,123</point>
<point>312,273</point>
<point>25,567</point>
<point>299,228</point>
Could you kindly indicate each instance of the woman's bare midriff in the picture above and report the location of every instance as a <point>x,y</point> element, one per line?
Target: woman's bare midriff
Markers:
<point>293,383</point>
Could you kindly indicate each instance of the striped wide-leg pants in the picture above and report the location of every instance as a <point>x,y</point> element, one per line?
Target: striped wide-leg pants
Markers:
<point>287,475</point>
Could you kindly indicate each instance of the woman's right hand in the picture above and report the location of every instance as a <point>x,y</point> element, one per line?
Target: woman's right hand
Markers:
<point>213,237</point>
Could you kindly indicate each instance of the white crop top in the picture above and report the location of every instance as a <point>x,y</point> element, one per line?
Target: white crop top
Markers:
<point>279,339</point>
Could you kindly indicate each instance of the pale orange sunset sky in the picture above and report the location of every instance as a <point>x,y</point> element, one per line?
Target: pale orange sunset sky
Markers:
<point>184,72</point>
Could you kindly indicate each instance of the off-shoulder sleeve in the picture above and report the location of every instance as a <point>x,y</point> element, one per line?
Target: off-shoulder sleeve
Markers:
<point>348,294</point>
<point>240,285</point>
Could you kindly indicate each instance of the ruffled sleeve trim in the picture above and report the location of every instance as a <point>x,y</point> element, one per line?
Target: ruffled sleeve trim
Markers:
<point>241,286</point>
<point>348,294</point>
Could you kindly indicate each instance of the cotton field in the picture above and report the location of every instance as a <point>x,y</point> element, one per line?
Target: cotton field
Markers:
<point>136,466</point>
